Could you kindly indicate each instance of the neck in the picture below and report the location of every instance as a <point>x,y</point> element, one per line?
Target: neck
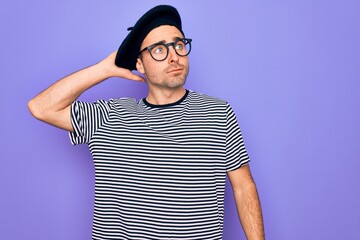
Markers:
<point>165,96</point>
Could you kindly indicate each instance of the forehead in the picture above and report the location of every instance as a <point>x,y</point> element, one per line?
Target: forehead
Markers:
<point>165,33</point>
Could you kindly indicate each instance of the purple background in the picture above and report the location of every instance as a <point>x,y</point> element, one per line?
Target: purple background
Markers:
<point>290,69</point>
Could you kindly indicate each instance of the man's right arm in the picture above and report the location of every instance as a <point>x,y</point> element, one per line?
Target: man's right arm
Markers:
<point>53,104</point>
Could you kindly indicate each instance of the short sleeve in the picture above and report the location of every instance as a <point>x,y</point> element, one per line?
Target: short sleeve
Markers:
<point>86,118</point>
<point>236,154</point>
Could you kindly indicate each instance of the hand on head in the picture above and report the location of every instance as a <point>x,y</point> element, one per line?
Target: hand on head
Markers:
<point>115,71</point>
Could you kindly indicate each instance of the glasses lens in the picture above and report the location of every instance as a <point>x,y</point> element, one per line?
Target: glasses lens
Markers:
<point>159,52</point>
<point>183,47</point>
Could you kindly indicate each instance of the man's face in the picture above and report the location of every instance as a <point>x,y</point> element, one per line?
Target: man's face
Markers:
<point>170,73</point>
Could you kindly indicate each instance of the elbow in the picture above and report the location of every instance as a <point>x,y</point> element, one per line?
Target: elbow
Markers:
<point>246,188</point>
<point>35,109</point>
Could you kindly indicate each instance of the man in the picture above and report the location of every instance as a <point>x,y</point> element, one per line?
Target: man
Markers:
<point>160,163</point>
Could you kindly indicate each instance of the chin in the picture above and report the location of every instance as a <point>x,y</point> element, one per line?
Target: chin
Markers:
<point>176,82</point>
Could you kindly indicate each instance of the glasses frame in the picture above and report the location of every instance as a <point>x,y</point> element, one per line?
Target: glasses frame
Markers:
<point>167,45</point>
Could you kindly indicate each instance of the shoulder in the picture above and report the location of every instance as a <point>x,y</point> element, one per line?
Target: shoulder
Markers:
<point>111,103</point>
<point>116,104</point>
<point>122,102</point>
<point>202,98</point>
<point>106,106</point>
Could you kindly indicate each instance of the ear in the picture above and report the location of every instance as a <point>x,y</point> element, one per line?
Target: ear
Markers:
<point>140,66</point>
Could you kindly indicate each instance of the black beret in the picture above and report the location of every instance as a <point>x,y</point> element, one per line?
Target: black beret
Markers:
<point>129,49</point>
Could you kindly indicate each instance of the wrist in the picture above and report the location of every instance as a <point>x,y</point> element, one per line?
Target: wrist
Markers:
<point>105,69</point>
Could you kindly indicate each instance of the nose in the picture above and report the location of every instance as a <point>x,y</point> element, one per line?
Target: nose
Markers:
<point>173,57</point>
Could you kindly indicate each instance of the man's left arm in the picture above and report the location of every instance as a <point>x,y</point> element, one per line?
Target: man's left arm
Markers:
<point>247,202</point>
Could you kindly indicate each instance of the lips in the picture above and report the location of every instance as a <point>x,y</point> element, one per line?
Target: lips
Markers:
<point>175,70</point>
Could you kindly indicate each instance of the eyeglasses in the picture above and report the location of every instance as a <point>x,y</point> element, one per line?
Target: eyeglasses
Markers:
<point>159,51</point>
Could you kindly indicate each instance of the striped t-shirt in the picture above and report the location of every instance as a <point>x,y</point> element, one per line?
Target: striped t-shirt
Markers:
<point>159,170</point>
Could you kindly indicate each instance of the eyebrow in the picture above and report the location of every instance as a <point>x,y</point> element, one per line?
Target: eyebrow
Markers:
<point>163,41</point>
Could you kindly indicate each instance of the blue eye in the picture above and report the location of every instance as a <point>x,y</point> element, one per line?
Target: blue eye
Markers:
<point>179,46</point>
<point>159,49</point>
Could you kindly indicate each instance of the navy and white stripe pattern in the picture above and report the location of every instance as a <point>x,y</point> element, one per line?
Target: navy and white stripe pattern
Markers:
<point>159,170</point>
